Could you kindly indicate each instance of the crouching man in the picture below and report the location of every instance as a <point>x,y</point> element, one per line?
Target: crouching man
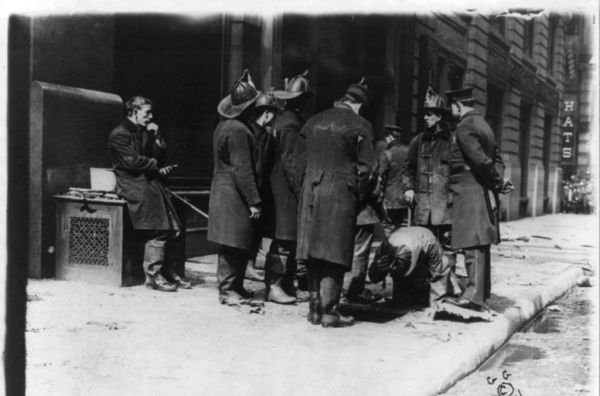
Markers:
<point>404,250</point>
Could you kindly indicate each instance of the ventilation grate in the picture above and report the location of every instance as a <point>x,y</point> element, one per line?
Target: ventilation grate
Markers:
<point>88,240</point>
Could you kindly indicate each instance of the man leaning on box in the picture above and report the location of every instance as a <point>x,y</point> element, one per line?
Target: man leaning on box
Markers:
<point>137,152</point>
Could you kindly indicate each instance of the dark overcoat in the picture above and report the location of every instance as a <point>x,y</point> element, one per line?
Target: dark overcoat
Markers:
<point>281,210</point>
<point>392,174</point>
<point>428,171</point>
<point>476,170</point>
<point>233,189</point>
<point>334,157</point>
<point>136,160</point>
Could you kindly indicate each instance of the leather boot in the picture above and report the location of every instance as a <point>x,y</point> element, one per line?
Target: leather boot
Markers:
<point>330,290</point>
<point>158,282</point>
<point>180,282</point>
<point>274,292</point>
<point>238,284</point>
<point>314,302</point>
<point>252,274</point>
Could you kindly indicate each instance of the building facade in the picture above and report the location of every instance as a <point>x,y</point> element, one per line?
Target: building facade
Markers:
<point>530,73</point>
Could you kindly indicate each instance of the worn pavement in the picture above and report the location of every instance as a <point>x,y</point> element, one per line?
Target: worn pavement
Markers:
<point>97,340</point>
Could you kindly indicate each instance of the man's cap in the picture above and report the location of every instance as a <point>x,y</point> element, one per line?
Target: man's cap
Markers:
<point>359,92</point>
<point>295,87</point>
<point>242,95</point>
<point>459,95</point>
<point>392,129</point>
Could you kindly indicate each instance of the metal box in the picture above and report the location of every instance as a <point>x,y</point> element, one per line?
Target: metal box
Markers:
<point>95,242</point>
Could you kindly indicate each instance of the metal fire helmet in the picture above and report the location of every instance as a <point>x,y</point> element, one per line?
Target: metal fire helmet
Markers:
<point>243,90</point>
<point>242,95</point>
<point>268,100</point>
<point>298,83</point>
<point>295,87</point>
<point>434,101</point>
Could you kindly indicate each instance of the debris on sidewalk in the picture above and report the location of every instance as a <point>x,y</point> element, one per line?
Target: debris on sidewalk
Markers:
<point>541,237</point>
<point>554,308</point>
<point>109,326</point>
<point>558,247</point>
<point>584,281</point>
<point>523,238</point>
<point>445,310</point>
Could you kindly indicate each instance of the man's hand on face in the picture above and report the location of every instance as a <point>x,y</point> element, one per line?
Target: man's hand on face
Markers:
<point>152,128</point>
<point>254,212</point>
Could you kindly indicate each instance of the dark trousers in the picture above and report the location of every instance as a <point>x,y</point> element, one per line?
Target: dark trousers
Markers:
<point>231,268</point>
<point>326,284</point>
<point>281,258</point>
<point>477,263</point>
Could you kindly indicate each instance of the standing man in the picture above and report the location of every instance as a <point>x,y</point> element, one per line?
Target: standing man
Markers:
<point>393,180</point>
<point>476,178</point>
<point>266,106</point>
<point>235,204</point>
<point>335,158</point>
<point>281,211</point>
<point>137,151</point>
<point>428,170</point>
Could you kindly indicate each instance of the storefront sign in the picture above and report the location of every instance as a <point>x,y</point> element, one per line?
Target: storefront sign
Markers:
<point>567,127</point>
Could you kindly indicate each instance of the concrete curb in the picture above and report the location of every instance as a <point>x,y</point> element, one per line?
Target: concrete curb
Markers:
<point>453,361</point>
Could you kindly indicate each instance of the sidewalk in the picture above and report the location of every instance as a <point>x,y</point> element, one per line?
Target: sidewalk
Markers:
<point>94,340</point>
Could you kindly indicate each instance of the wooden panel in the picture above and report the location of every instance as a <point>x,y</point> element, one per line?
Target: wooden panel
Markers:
<point>68,133</point>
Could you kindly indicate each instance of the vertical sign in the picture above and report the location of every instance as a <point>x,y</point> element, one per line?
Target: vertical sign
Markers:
<point>567,127</point>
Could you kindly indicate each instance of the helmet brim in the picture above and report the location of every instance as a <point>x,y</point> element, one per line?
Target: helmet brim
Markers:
<point>286,95</point>
<point>228,110</point>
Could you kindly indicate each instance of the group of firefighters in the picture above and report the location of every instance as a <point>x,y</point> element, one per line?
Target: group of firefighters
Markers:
<point>316,188</point>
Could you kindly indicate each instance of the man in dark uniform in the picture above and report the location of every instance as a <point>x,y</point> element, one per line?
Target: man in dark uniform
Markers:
<point>476,178</point>
<point>335,158</point>
<point>137,150</point>
<point>235,203</point>
<point>265,109</point>
<point>280,214</point>
<point>427,170</point>
<point>393,180</point>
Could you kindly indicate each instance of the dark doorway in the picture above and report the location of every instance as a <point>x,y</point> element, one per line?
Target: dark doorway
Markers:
<point>524,143</point>
<point>546,160</point>
<point>176,62</point>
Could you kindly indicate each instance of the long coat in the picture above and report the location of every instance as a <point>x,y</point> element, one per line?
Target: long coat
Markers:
<point>281,209</point>
<point>233,189</point>
<point>476,170</point>
<point>392,174</point>
<point>428,171</point>
<point>335,156</point>
<point>136,160</point>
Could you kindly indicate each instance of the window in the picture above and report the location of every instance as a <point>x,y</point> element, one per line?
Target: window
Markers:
<point>552,26</point>
<point>528,30</point>
<point>493,114</point>
<point>498,23</point>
